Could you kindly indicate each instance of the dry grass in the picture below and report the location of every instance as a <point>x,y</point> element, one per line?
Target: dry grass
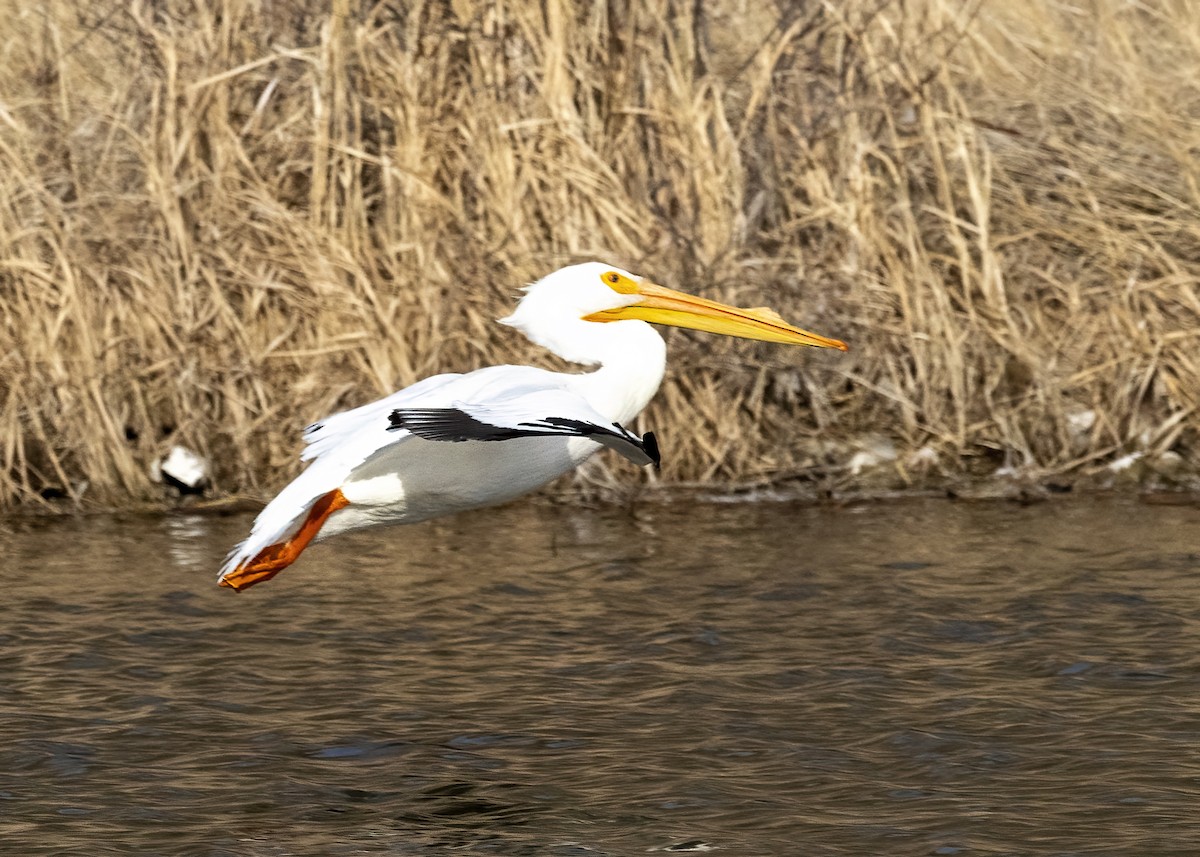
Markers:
<point>222,220</point>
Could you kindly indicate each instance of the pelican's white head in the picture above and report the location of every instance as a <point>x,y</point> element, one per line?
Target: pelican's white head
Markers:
<point>553,312</point>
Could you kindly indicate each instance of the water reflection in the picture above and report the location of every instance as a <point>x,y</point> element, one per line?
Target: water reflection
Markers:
<point>189,540</point>
<point>772,679</point>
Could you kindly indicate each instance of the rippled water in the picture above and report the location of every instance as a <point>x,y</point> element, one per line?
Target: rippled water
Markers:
<point>917,678</point>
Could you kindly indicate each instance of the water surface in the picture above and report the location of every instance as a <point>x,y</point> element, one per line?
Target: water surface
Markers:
<point>915,678</point>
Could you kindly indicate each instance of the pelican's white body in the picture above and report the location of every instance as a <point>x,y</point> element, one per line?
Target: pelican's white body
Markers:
<point>394,477</point>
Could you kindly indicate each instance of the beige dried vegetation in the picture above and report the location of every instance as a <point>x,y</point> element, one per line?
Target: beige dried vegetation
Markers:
<point>222,220</point>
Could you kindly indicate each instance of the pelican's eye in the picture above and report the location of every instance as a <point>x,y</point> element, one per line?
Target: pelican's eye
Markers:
<point>619,283</point>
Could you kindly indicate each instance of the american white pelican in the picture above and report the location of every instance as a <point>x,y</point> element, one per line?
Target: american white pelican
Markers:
<point>456,442</point>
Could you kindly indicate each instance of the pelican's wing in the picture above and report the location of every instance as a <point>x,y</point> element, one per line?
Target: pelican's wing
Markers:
<point>535,413</point>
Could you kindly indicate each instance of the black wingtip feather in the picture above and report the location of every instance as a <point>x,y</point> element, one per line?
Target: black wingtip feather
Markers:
<point>455,425</point>
<point>447,424</point>
<point>650,443</point>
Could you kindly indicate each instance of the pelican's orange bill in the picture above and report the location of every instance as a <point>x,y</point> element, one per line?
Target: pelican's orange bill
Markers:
<point>661,305</point>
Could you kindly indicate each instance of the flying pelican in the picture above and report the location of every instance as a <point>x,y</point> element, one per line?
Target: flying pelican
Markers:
<point>454,442</point>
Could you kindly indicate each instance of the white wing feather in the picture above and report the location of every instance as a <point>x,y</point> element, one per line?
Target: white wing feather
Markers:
<point>327,434</point>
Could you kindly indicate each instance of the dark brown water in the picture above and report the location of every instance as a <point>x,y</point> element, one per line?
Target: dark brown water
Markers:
<point>920,678</point>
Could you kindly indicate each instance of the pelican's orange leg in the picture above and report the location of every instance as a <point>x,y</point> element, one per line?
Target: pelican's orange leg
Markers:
<point>275,558</point>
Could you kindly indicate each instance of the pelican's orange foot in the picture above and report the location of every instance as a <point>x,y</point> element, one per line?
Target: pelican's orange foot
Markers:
<point>245,576</point>
<point>275,558</point>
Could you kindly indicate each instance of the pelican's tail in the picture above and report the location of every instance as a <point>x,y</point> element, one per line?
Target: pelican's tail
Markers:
<point>249,565</point>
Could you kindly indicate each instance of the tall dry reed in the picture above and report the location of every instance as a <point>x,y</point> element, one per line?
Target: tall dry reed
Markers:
<point>222,219</point>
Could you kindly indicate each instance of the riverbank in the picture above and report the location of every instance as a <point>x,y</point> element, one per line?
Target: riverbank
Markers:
<point>222,222</point>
